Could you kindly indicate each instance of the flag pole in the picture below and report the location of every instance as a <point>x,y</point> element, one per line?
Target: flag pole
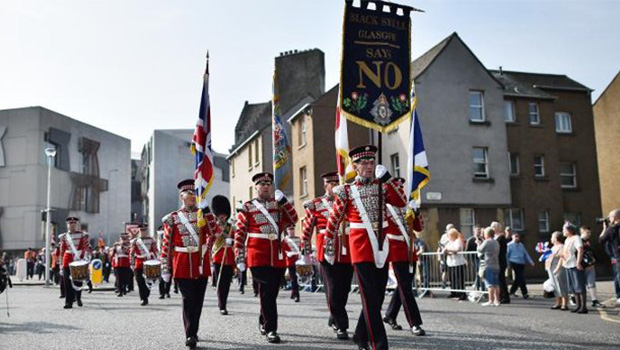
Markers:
<point>380,160</point>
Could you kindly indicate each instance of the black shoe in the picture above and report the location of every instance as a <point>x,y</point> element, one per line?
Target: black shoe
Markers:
<point>330,322</point>
<point>574,310</point>
<point>361,345</point>
<point>341,334</point>
<point>255,295</point>
<point>79,302</point>
<point>120,295</point>
<point>144,302</point>
<point>68,306</point>
<point>168,295</point>
<point>297,298</point>
<point>417,331</point>
<point>395,326</point>
<point>261,329</point>
<point>526,296</point>
<point>505,301</point>
<point>583,311</point>
<point>273,337</point>
<point>241,292</point>
<point>162,296</point>
<point>61,297</point>
<point>597,304</point>
<point>223,312</point>
<point>191,342</point>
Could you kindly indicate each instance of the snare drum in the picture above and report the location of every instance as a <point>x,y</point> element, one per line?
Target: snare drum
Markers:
<point>303,268</point>
<point>152,269</point>
<point>79,270</point>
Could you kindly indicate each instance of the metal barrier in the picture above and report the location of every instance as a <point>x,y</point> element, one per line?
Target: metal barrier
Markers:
<point>434,274</point>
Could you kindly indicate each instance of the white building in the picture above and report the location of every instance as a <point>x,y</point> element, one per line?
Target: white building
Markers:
<point>166,160</point>
<point>90,177</point>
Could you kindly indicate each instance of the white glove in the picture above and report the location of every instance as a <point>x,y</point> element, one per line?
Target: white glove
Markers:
<point>62,273</point>
<point>380,171</point>
<point>279,196</point>
<point>229,241</point>
<point>165,277</point>
<point>241,266</point>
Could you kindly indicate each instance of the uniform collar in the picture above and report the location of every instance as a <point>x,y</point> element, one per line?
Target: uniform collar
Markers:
<point>363,180</point>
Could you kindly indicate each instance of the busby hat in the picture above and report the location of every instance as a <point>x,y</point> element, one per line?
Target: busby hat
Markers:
<point>186,185</point>
<point>330,177</point>
<point>363,152</point>
<point>262,177</point>
<point>220,205</point>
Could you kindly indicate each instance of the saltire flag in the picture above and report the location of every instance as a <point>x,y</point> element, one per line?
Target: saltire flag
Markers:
<point>281,146</point>
<point>345,167</point>
<point>201,146</point>
<point>418,174</point>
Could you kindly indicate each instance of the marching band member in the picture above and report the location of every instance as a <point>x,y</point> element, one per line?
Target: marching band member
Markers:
<point>262,221</point>
<point>291,259</point>
<point>403,258</point>
<point>223,254</point>
<point>185,246</point>
<point>74,246</point>
<point>119,254</point>
<point>143,248</point>
<point>360,203</point>
<point>337,277</point>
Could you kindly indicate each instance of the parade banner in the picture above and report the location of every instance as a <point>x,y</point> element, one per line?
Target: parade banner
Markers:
<point>281,147</point>
<point>375,78</point>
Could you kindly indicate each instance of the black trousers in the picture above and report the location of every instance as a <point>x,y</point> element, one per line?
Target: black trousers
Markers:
<point>457,280</point>
<point>519,281</point>
<point>164,287</point>
<point>243,279</point>
<point>372,282</point>
<point>337,281</point>
<point>123,277</point>
<point>61,281</point>
<point>29,269</point>
<point>143,289</point>
<point>292,274</point>
<point>503,287</point>
<point>223,286</point>
<point>71,295</point>
<point>405,279</point>
<point>193,292</point>
<point>268,280</point>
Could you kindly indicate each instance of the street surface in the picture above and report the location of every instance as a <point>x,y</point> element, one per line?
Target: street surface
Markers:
<point>37,321</point>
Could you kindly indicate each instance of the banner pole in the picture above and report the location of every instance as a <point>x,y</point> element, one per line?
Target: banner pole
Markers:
<point>380,160</point>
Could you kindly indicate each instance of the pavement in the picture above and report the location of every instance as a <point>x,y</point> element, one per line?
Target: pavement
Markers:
<point>37,321</point>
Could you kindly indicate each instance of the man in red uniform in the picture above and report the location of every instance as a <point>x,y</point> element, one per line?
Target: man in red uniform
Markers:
<point>291,257</point>
<point>143,248</point>
<point>223,254</point>
<point>337,277</point>
<point>262,221</point>
<point>190,243</point>
<point>122,263</point>
<point>74,246</point>
<point>362,203</point>
<point>403,258</point>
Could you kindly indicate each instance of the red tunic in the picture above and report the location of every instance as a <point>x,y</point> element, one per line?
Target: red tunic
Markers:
<point>345,207</point>
<point>399,250</point>
<point>139,254</point>
<point>120,254</point>
<point>80,240</point>
<point>220,247</point>
<point>317,213</point>
<point>263,247</point>
<point>185,261</point>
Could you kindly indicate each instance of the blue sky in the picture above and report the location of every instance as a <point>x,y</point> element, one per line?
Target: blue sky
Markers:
<point>133,66</point>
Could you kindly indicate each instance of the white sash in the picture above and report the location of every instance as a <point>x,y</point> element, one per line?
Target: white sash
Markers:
<point>294,247</point>
<point>69,239</point>
<point>190,228</point>
<point>144,249</point>
<point>262,209</point>
<point>380,256</point>
<point>399,224</point>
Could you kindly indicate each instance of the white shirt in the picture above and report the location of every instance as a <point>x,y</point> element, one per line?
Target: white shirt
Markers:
<point>455,259</point>
<point>570,251</point>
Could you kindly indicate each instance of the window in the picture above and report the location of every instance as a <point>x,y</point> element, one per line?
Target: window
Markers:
<point>80,198</point>
<point>303,181</point>
<point>568,175</point>
<point>395,165</point>
<point>302,131</point>
<point>573,218</point>
<point>250,157</point>
<point>534,116</point>
<point>232,167</point>
<point>543,221</point>
<point>562,123</point>
<point>256,154</point>
<point>539,166</point>
<point>467,219</point>
<point>476,106</point>
<point>251,188</point>
<point>509,112</point>
<point>514,218</point>
<point>481,169</point>
<point>514,164</point>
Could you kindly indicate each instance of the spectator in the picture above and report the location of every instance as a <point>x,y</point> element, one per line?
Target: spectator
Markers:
<point>557,273</point>
<point>610,237</point>
<point>500,237</point>
<point>456,264</point>
<point>420,248</point>
<point>517,257</point>
<point>488,251</point>
<point>589,262</point>
<point>572,256</point>
<point>471,246</point>
<point>29,255</point>
<point>443,240</point>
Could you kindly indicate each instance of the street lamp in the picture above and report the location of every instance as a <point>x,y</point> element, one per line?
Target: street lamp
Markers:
<point>50,153</point>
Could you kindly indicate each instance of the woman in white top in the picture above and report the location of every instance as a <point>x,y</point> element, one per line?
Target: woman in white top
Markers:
<point>557,272</point>
<point>456,264</point>
<point>572,257</point>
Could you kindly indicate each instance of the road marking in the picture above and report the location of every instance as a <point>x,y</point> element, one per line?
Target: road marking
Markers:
<point>605,316</point>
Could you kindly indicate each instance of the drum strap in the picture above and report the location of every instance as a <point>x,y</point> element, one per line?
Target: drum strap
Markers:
<point>145,251</point>
<point>191,230</point>
<point>69,240</point>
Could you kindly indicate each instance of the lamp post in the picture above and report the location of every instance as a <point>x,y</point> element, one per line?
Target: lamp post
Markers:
<point>50,153</point>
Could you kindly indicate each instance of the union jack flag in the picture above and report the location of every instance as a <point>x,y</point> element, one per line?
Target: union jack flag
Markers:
<point>201,146</point>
